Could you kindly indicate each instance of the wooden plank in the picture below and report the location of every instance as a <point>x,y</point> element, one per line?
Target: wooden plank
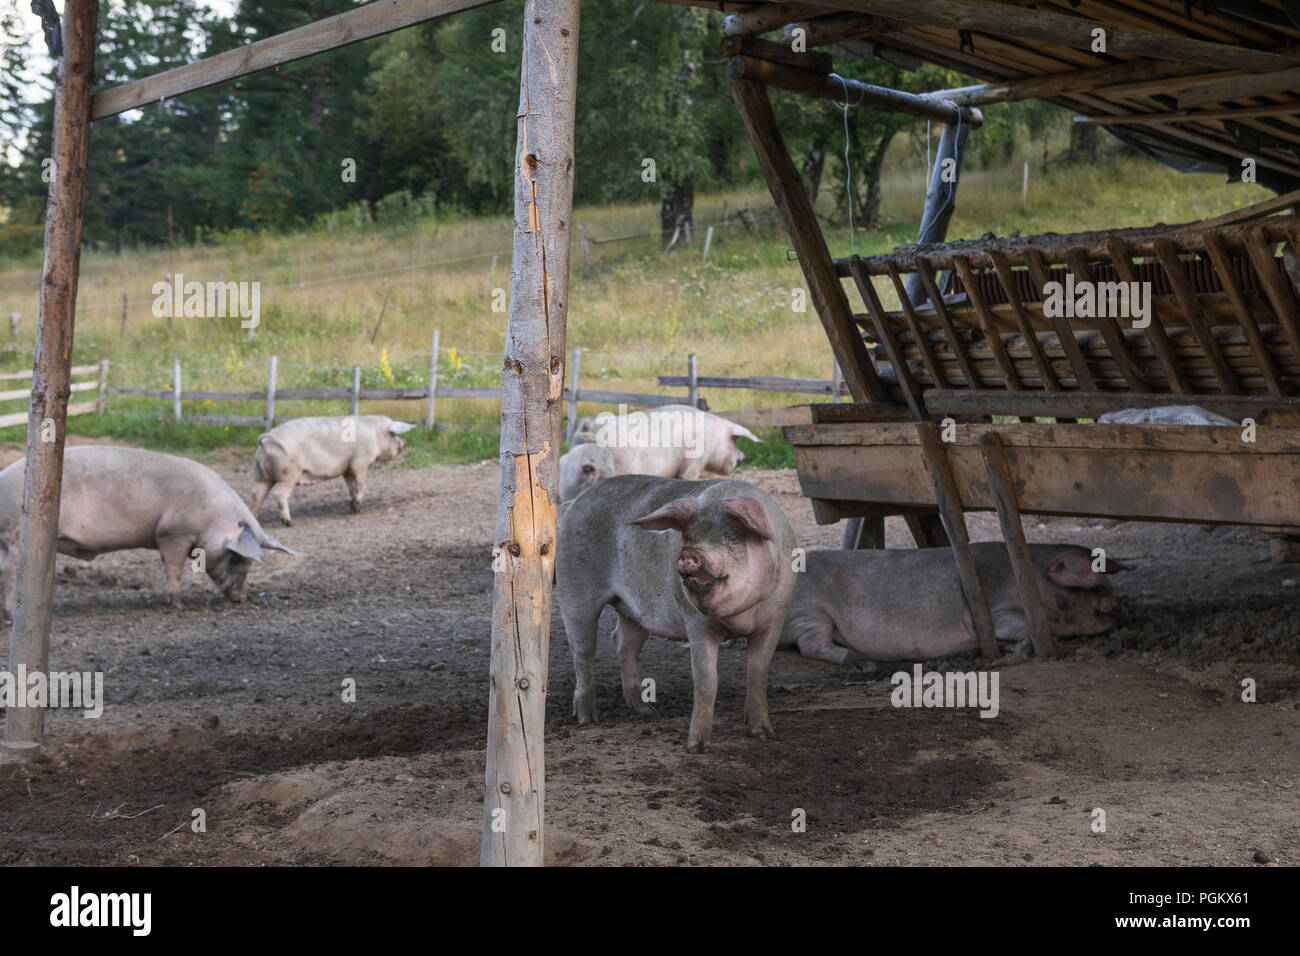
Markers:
<point>1075,32</point>
<point>911,391</point>
<point>351,26</point>
<point>532,383</point>
<point>27,373</point>
<point>1013,534</point>
<point>1009,377</point>
<point>1191,307</point>
<point>1218,256</point>
<point>1007,277</point>
<point>1240,88</point>
<point>1070,80</point>
<point>763,17</point>
<point>937,374</point>
<point>783,53</point>
<point>1109,328</point>
<point>1201,116</point>
<point>1082,374</point>
<point>1278,292</point>
<point>26,392</point>
<point>949,329</point>
<point>954,523</point>
<point>1075,404</point>
<point>431,397</point>
<point>1155,332</point>
<point>800,220</point>
<point>38,524</point>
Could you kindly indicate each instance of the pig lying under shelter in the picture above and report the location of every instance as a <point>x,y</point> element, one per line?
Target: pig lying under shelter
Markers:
<point>854,607</point>
<point>700,561</point>
<point>303,451</point>
<point>114,499</point>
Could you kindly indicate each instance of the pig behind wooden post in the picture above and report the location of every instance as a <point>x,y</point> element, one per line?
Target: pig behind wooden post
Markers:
<point>701,561</point>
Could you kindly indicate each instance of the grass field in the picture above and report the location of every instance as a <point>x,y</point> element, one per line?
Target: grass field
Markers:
<point>636,312</point>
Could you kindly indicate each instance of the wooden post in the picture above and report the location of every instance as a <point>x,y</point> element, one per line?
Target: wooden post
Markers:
<point>863,534</point>
<point>176,390</point>
<point>14,318</point>
<point>586,250</point>
<point>270,393</point>
<point>949,499</point>
<point>103,386</point>
<point>786,187</point>
<point>574,366</point>
<point>1013,533</point>
<point>433,382</point>
<point>692,383</point>
<point>492,269</point>
<point>836,378</point>
<point>29,643</point>
<point>356,390</point>
<point>940,199</point>
<point>532,384</point>
<point>708,241</point>
<point>122,330</point>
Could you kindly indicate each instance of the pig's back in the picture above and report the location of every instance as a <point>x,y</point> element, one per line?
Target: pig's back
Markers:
<point>317,445</point>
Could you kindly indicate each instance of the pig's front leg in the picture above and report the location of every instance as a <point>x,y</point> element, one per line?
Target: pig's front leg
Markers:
<point>628,639</point>
<point>356,482</point>
<point>761,647</point>
<point>705,640</point>
<point>174,553</point>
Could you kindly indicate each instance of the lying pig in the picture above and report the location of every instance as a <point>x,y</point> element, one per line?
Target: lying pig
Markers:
<point>852,607</point>
<point>672,441</point>
<point>304,451</point>
<point>582,467</point>
<point>702,562</point>
<point>119,498</point>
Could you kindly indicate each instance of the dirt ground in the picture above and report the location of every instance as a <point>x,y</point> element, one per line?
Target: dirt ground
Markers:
<point>238,711</point>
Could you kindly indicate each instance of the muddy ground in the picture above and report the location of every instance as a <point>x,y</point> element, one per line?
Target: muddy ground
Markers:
<point>237,711</point>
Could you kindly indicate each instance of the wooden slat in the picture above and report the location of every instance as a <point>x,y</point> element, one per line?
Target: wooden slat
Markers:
<point>1007,276</point>
<point>1278,292</point>
<point>914,323</point>
<point>945,320</point>
<point>27,373</point>
<point>1218,256</point>
<point>1155,332</point>
<point>27,392</point>
<point>1109,328</point>
<point>351,26</point>
<point>1240,88</point>
<point>1003,491</point>
<point>960,402</point>
<point>991,334</point>
<point>1039,273</point>
<point>800,220</point>
<point>1177,274</point>
<point>911,391</point>
<point>950,508</point>
<point>20,418</point>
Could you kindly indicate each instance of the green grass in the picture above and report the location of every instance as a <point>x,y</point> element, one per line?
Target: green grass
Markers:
<point>774,452</point>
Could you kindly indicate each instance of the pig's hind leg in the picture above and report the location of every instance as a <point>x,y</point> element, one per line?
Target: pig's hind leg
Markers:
<point>628,639</point>
<point>815,638</point>
<point>581,626</point>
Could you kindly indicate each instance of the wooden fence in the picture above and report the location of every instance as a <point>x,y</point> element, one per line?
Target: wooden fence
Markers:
<point>82,408</point>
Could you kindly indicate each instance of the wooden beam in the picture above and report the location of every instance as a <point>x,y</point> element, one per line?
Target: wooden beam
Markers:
<point>814,61</point>
<point>787,189</point>
<point>764,17</point>
<point>1003,19</point>
<point>841,90</point>
<point>906,381</point>
<point>1203,116</point>
<point>1218,256</point>
<point>1001,487</point>
<point>532,383</point>
<point>29,642</point>
<point>351,26</point>
<point>1038,87</point>
<point>1192,312</point>
<point>1155,331</point>
<point>962,402</point>
<point>1240,88</point>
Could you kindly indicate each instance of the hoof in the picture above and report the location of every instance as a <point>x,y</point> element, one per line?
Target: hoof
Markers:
<point>287,522</point>
<point>642,709</point>
<point>584,711</point>
<point>356,508</point>
<point>695,746</point>
<point>763,730</point>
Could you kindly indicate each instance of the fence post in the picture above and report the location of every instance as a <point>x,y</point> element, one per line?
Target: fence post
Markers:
<point>574,366</point>
<point>13,325</point>
<point>433,381</point>
<point>708,240</point>
<point>270,393</point>
<point>356,389</point>
<point>491,272</point>
<point>103,385</point>
<point>692,383</point>
<point>586,248</point>
<point>122,330</point>
<point>836,378</point>
<point>176,390</point>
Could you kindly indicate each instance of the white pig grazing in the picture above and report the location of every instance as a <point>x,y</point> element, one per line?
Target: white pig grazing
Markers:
<point>303,451</point>
<point>672,441</point>
<point>114,499</point>
<point>582,467</point>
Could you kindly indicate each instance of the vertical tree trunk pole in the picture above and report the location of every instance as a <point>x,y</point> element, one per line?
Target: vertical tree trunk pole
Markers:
<point>532,384</point>
<point>432,408</point>
<point>29,643</point>
<point>103,386</point>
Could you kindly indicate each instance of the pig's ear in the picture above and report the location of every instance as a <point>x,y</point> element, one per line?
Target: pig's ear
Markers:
<point>273,545</point>
<point>244,544</point>
<point>1071,569</point>
<point>749,513</point>
<point>400,428</point>
<point>740,431</point>
<point>671,517</point>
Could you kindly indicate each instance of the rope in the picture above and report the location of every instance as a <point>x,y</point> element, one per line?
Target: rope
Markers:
<point>848,170</point>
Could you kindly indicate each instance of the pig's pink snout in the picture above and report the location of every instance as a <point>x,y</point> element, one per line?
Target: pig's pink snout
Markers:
<point>689,562</point>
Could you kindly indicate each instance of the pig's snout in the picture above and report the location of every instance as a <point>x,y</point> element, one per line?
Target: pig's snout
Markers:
<point>694,571</point>
<point>689,562</point>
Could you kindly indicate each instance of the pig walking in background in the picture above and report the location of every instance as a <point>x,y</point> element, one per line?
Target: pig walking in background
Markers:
<point>582,467</point>
<point>303,451</point>
<point>673,441</point>
<point>114,499</point>
<point>703,562</point>
<point>853,607</point>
